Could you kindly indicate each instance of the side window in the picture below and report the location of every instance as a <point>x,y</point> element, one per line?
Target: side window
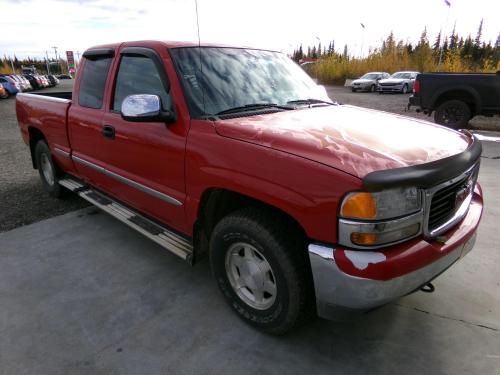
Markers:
<point>93,82</point>
<point>137,75</point>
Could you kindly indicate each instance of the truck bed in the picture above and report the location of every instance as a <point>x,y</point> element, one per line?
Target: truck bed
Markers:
<point>47,112</point>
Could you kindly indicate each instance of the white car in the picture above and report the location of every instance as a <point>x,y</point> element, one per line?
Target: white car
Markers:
<point>368,82</point>
<point>399,82</point>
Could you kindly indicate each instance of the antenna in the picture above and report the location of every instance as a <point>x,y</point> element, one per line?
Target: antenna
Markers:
<point>199,52</point>
<point>197,22</point>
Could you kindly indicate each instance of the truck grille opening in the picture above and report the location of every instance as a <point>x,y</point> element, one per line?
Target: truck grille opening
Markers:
<point>444,203</point>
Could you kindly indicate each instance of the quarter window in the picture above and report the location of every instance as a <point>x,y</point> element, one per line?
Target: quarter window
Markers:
<point>93,82</point>
<point>137,75</point>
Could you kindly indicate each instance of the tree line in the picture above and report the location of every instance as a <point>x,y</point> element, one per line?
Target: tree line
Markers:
<point>453,54</point>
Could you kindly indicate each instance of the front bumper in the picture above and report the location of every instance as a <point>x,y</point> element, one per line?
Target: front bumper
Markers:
<point>394,88</point>
<point>348,281</point>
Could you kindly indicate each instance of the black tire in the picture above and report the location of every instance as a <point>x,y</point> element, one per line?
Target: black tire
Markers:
<point>454,114</point>
<point>51,186</point>
<point>405,89</point>
<point>380,92</point>
<point>266,232</point>
<point>373,88</point>
<point>353,89</point>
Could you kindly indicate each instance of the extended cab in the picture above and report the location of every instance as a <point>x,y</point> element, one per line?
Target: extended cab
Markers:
<point>299,202</point>
<point>455,98</point>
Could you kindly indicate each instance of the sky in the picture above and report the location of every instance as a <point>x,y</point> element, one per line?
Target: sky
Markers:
<point>32,27</point>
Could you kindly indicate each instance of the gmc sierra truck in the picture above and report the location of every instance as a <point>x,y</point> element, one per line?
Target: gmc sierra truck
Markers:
<point>301,204</point>
<point>455,98</point>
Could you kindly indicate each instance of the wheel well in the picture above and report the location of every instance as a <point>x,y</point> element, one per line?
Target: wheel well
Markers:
<point>35,136</point>
<point>461,95</point>
<point>217,203</point>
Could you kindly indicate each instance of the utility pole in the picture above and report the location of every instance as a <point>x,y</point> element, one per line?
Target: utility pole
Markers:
<point>57,58</point>
<point>48,65</point>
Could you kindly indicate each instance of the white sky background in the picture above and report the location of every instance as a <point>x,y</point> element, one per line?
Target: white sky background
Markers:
<point>30,27</point>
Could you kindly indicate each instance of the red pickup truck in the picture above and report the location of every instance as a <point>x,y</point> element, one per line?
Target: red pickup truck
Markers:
<point>302,204</point>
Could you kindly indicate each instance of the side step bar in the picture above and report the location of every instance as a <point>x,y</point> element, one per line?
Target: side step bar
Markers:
<point>164,237</point>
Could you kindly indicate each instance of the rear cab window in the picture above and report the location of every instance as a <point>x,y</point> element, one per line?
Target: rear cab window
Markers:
<point>93,81</point>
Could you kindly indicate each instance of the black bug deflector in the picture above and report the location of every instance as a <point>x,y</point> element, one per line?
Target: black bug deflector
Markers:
<point>425,175</point>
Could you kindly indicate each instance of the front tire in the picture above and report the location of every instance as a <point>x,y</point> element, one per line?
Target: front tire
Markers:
<point>373,88</point>
<point>49,174</point>
<point>404,90</point>
<point>261,267</point>
<point>454,114</point>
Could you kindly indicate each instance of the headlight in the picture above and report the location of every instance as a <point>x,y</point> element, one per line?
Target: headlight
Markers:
<point>370,220</point>
<point>381,205</point>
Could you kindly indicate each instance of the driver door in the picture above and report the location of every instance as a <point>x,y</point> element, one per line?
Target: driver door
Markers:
<point>146,159</point>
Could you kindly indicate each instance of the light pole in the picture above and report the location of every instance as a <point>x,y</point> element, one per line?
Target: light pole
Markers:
<point>362,38</point>
<point>445,26</point>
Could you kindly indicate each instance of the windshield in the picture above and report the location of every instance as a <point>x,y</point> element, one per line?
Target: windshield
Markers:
<point>401,75</point>
<point>235,77</point>
<point>370,76</point>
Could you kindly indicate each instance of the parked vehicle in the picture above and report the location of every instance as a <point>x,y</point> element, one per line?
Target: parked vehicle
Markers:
<point>293,197</point>
<point>10,85</point>
<point>455,98</point>
<point>35,83</point>
<point>399,82</point>
<point>368,82</point>
<point>64,76</point>
<point>53,80</point>
<point>3,93</point>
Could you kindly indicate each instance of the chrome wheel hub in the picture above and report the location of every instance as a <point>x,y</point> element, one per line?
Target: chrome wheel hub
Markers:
<point>47,171</point>
<point>251,276</point>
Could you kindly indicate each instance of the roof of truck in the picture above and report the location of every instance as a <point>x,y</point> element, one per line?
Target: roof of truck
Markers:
<point>168,44</point>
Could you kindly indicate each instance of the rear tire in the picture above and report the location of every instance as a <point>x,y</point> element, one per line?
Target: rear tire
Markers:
<point>49,173</point>
<point>454,114</point>
<point>262,269</point>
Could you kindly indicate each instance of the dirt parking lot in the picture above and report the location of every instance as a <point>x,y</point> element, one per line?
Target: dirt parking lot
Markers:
<point>21,196</point>
<point>22,199</point>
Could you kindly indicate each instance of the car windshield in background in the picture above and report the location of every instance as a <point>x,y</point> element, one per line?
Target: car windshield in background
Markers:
<point>401,75</point>
<point>232,78</point>
<point>369,76</point>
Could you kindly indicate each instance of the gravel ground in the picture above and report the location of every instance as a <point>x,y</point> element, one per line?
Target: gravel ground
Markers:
<point>22,200</point>
<point>396,103</point>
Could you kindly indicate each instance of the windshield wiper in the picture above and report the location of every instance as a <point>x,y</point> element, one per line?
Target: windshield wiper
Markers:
<point>252,107</point>
<point>310,101</point>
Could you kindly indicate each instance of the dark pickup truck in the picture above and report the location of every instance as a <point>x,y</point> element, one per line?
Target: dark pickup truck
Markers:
<point>455,98</point>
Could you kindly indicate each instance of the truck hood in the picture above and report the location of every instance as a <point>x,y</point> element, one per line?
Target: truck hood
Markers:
<point>352,139</point>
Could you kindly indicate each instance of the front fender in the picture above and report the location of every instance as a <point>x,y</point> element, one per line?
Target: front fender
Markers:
<point>306,190</point>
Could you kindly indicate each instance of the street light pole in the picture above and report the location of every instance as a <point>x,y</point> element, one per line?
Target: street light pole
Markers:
<point>445,26</point>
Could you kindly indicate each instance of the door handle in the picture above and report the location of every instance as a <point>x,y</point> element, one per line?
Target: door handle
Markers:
<point>108,132</point>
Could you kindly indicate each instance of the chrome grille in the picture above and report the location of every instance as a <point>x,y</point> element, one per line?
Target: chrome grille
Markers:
<point>446,204</point>
<point>443,204</point>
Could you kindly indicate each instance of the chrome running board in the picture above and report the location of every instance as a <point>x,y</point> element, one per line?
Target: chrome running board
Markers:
<point>164,237</point>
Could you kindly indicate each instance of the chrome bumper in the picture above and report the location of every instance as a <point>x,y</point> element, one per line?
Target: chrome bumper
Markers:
<point>339,295</point>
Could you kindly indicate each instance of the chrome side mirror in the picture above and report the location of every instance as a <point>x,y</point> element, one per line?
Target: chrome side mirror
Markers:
<point>145,108</point>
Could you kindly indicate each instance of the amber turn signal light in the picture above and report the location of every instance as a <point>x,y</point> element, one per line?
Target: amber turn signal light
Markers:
<point>364,239</point>
<point>359,206</point>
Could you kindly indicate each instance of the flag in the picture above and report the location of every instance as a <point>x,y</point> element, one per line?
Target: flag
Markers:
<point>447,3</point>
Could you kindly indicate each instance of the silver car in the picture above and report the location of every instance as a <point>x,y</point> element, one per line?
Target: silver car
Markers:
<point>368,82</point>
<point>399,82</point>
